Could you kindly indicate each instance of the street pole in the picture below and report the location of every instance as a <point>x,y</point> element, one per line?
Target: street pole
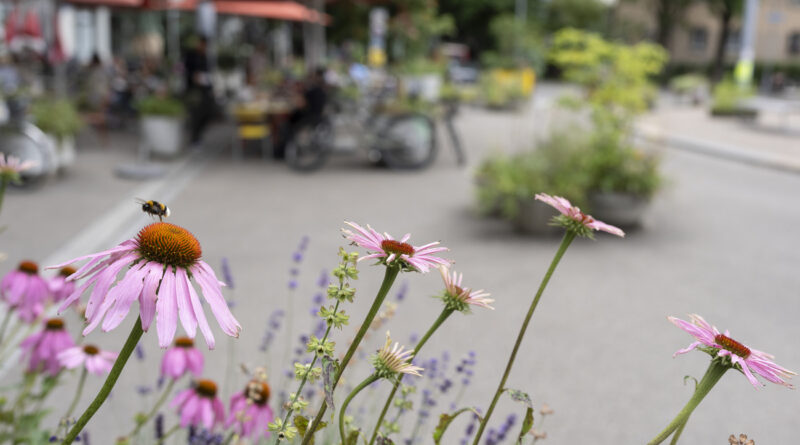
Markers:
<point>744,67</point>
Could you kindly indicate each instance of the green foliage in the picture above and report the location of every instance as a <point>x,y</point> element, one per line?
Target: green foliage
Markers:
<point>445,420</point>
<point>556,166</point>
<point>581,14</point>
<point>617,78</point>
<point>688,83</point>
<point>160,106</point>
<point>58,117</point>
<point>728,96</point>
<point>517,44</point>
<point>418,27</point>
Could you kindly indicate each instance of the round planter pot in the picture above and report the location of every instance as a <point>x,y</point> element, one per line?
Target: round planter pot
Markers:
<point>162,135</point>
<point>619,209</point>
<point>65,151</point>
<point>534,218</point>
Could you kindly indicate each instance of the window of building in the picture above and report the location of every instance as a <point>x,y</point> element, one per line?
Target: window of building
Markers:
<point>794,44</point>
<point>698,39</point>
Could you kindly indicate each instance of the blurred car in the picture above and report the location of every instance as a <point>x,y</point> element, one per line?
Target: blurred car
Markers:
<point>462,72</point>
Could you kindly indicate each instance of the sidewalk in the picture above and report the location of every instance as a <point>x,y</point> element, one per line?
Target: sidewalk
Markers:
<point>752,143</point>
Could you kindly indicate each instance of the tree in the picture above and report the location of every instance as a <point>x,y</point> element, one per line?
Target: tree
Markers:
<point>725,10</point>
<point>668,14</point>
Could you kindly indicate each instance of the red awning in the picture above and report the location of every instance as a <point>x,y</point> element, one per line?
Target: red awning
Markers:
<point>271,9</point>
<point>124,3</point>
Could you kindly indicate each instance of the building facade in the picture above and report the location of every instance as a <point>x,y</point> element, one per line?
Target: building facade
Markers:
<point>694,38</point>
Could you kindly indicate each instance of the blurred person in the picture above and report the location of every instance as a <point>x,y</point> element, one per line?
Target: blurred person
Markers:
<point>97,90</point>
<point>199,93</point>
<point>121,91</point>
<point>309,108</point>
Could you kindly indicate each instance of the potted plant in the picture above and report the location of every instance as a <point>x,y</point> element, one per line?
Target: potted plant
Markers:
<point>161,124</point>
<point>506,185</point>
<point>728,100</point>
<point>60,121</point>
<point>622,179</point>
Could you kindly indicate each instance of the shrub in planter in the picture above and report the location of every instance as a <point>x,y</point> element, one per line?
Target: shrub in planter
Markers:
<point>507,184</point>
<point>162,124</point>
<point>728,98</point>
<point>60,120</point>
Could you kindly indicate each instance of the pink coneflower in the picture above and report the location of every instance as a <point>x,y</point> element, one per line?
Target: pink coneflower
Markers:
<point>199,405</point>
<point>749,360</point>
<point>182,358</point>
<point>42,348</point>
<point>392,360</point>
<point>11,167</point>
<point>60,286</point>
<point>250,413</point>
<point>95,360</point>
<point>461,298</point>
<point>162,258</point>
<point>574,213</point>
<point>25,291</point>
<point>389,250</point>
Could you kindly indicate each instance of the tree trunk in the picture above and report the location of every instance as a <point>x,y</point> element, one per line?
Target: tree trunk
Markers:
<point>724,32</point>
<point>665,22</point>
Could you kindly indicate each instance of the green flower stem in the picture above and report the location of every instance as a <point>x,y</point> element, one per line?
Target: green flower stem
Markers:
<point>169,432</point>
<point>3,185</point>
<point>715,372</point>
<point>4,326</point>
<point>152,413</point>
<point>388,280</point>
<point>442,317</point>
<point>343,410</point>
<point>677,434</point>
<point>78,393</point>
<point>565,242</point>
<point>304,379</point>
<point>116,370</point>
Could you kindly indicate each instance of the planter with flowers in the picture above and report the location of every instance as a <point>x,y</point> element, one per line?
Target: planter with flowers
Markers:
<point>60,121</point>
<point>161,124</point>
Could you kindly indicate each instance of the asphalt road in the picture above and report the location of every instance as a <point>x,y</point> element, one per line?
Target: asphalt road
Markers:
<point>720,240</point>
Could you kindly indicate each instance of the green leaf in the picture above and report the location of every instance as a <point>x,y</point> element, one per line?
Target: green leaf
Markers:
<point>352,438</point>
<point>329,370</point>
<point>445,420</point>
<point>527,424</point>
<point>686,378</point>
<point>519,396</point>
<point>301,423</point>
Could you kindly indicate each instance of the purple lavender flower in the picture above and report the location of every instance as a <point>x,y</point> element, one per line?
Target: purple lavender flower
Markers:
<point>401,293</point>
<point>323,279</point>
<point>226,273</point>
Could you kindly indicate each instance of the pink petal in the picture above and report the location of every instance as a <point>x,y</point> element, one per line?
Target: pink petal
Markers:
<point>148,297</point>
<point>213,295</point>
<point>197,308</point>
<point>167,318</point>
<point>125,293</point>
<point>185,311</point>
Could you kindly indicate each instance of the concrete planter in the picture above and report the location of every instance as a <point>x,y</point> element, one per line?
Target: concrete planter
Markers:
<point>534,218</point>
<point>162,134</point>
<point>619,209</point>
<point>65,152</point>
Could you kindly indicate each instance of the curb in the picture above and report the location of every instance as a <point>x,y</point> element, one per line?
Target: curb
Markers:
<point>746,156</point>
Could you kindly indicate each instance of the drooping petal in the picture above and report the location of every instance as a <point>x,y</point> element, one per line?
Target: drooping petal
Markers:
<point>167,311</point>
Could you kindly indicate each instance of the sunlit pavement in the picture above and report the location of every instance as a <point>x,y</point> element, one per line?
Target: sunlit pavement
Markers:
<point>720,240</point>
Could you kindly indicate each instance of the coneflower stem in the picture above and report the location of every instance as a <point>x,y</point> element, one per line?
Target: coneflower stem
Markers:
<point>3,185</point>
<point>116,370</point>
<point>565,242</point>
<point>388,280</point>
<point>715,372</point>
<point>4,326</point>
<point>78,393</point>
<point>156,407</point>
<point>343,410</point>
<point>442,317</point>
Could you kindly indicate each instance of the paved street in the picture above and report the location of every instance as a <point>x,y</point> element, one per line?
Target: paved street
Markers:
<point>720,240</point>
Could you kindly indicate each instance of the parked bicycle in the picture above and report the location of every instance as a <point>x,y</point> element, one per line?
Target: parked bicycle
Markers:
<point>402,141</point>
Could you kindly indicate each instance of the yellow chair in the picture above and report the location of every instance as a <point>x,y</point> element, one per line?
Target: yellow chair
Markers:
<point>251,125</point>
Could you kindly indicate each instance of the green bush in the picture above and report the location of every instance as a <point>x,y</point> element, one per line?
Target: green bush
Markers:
<point>728,97</point>
<point>160,106</point>
<point>556,166</point>
<point>58,117</point>
<point>688,83</point>
<point>614,166</point>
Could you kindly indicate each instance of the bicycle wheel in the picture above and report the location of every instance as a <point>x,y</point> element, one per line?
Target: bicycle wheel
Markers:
<point>306,150</point>
<point>409,142</point>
